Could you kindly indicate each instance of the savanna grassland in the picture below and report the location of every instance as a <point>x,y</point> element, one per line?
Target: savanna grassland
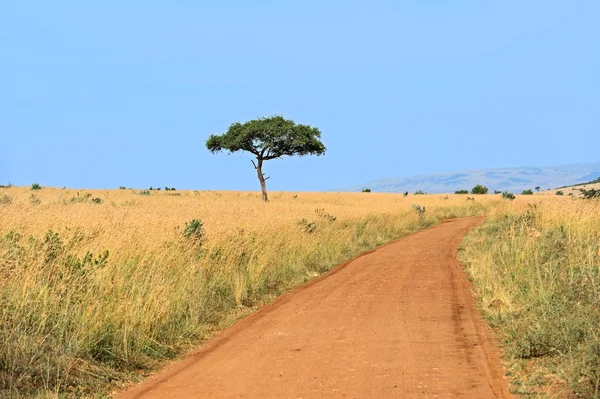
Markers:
<point>536,269</point>
<point>98,287</point>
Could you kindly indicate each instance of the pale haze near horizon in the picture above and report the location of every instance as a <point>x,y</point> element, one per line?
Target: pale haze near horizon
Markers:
<point>112,94</point>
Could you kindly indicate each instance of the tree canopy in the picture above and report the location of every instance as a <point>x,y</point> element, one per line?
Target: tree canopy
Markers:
<point>479,189</point>
<point>269,138</point>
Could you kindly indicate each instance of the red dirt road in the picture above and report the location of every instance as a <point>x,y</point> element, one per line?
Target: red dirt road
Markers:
<point>397,322</point>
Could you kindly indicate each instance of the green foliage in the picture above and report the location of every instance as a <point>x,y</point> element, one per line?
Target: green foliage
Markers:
<point>308,227</point>
<point>537,188</point>
<point>405,194</point>
<point>36,186</point>
<point>169,188</point>
<point>3,186</point>
<point>194,230</point>
<point>144,192</point>
<point>559,192</point>
<point>269,138</point>
<point>497,192</point>
<point>97,200</point>
<point>366,190</point>
<point>508,195</point>
<point>462,192</point>
<point>122,188</point>
<point>479,189</point>
<point>527,192</point>
<point>420,192</point>
<point>591,193</point>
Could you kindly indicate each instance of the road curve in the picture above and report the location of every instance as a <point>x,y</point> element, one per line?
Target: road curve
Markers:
<point>396,322</point>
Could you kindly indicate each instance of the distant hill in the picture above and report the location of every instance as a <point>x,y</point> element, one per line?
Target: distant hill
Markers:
<point>512,179</point>
<point>574,189</point>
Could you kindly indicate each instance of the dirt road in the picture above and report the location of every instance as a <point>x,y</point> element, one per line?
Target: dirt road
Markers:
<point>398,322</point>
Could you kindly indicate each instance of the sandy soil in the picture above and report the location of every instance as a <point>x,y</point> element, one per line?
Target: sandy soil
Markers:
<point>397,322</point>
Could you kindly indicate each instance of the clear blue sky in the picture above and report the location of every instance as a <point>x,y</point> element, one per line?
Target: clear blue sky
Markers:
<point>126,92</point>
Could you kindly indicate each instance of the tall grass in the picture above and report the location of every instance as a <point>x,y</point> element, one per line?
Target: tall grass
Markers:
<point>536,268</point>
<point>96,293</point>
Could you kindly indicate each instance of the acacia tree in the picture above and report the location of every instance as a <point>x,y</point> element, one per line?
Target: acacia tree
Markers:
<point>268,138</point>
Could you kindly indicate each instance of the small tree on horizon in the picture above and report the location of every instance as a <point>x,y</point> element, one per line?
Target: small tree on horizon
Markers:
<point>268,138</point>
<point>479,189</point>
<point>537,188</point>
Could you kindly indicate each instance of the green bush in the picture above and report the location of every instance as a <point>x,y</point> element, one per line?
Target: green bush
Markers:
<point>462,192</point>
<point>144,192</point>
<point>194,230</point>
<point>508,195</point>
<point>559,192</point>
<point>405,194</point>
<point>479,189</point>
<point>366,190</point>
<point>420,192</point>
<point>36,186</point>
<point>97,200</point>
<point>591,193</point>
<point>527,192</point>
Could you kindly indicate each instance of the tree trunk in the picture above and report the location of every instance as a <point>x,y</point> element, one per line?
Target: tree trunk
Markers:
<point>261,178</point>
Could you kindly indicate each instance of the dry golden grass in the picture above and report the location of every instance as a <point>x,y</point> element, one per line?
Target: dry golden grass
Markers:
<point>570,190</point>
<point>73,321</point>
<point>536,267</point>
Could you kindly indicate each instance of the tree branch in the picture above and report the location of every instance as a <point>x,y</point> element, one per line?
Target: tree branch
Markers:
<point>253,163</point>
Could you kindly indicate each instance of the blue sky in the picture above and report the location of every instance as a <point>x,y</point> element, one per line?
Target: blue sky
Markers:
<point>111,93</point>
